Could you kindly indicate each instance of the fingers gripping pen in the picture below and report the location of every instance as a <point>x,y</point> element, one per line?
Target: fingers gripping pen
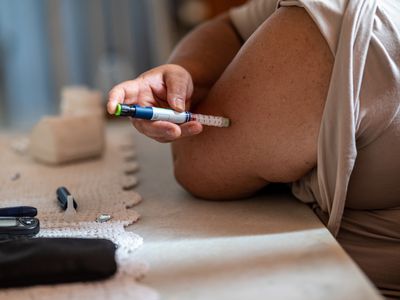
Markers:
<point>163,114</point>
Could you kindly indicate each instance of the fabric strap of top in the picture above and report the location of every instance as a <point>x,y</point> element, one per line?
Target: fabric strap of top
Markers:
<point>337,138</point>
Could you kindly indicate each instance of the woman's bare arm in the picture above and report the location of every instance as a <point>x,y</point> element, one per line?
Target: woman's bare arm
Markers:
<point>206,52</point>
<point>194,67</point>
<point>274,92</point>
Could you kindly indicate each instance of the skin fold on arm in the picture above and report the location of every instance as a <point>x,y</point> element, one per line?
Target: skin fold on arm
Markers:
<point>273,90</point>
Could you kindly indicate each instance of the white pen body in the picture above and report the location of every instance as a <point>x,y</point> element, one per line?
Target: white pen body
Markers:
<point>162,114</point>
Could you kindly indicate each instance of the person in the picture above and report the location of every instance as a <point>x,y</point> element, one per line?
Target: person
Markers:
<point>312,89</point>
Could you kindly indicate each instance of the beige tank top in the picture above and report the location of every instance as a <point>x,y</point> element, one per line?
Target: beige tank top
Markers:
<point>358,164</point>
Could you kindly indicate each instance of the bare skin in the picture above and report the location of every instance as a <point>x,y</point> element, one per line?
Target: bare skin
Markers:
<point>273,90</point>
<point>195,65</point>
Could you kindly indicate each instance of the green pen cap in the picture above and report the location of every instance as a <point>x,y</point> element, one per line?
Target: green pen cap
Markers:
<point>118,110</point>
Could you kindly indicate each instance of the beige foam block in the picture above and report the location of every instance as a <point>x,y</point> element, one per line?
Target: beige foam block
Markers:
<point>78,100</point>
<point>57,140</point>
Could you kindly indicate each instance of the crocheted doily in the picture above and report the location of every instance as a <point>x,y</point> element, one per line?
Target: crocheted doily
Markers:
<point>100,186</point>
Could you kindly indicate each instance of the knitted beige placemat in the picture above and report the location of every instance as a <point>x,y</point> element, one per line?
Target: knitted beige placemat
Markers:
<point>96,184</point>
<point>100,186</point>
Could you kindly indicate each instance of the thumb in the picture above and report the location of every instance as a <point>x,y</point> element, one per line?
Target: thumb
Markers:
<point>179,89</point>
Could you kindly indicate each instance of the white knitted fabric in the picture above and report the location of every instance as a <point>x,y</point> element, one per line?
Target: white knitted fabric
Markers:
<point>100,186</point>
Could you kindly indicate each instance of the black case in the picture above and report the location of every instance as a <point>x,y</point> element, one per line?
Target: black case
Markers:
<point>26,262</point>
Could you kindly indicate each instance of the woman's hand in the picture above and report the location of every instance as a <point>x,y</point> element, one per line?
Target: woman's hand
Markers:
<point>168,86</point>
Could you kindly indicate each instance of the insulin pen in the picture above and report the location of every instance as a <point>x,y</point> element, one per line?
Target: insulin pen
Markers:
<point>163,114</point>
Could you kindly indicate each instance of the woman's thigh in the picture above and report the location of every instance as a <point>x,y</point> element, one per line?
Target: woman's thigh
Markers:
<point>274,93</point>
